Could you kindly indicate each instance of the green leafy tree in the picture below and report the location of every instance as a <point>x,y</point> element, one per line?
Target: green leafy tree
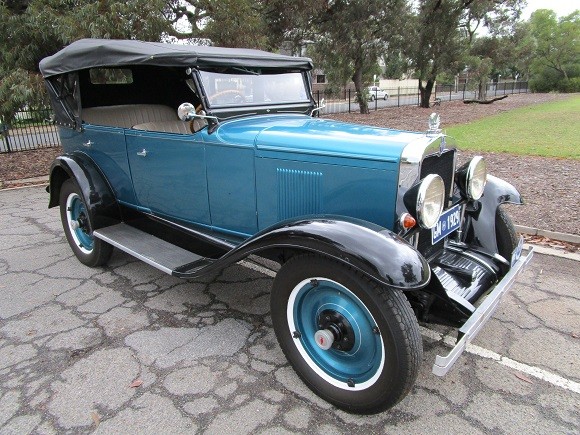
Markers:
<point>443,30</point>
<point>352,35</point>
<point>557,50</point>
<point>34,29</point>
<point>480,69</point>
<point>263,24</point>
<point>396,64</point>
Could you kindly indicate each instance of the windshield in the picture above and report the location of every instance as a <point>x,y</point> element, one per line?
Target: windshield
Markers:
<point>238,89</point>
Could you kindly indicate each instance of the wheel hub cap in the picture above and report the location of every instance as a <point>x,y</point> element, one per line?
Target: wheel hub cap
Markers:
<point>324,339</point>
<point>334,325</point>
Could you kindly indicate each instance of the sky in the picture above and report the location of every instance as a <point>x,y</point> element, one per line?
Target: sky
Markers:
<point>561,7</point>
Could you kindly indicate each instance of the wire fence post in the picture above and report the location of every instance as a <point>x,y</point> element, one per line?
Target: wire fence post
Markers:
<point>464,84</point>
<point>399,96</point>
<point>5,134</point>
<point>450,90</point>
<point>349,98</point>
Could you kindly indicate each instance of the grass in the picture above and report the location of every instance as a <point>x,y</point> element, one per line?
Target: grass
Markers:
<point>547,130</point>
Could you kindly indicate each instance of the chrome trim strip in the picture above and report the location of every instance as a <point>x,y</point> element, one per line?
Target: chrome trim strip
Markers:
<point>473,325</point>
<point>412,158</point>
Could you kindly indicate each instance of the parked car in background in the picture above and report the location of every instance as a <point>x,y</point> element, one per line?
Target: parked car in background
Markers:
<point>193,158</point>
<point>376,93</point>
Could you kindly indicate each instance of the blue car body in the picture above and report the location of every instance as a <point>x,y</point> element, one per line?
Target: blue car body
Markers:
<point>183,175</point>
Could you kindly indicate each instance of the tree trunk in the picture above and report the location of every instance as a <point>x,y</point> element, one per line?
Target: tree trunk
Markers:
<point>482,89</point>
<point>425,92</point>
<point>357,78</point>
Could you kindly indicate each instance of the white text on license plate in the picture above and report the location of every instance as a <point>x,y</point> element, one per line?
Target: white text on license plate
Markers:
<point>448,222</point>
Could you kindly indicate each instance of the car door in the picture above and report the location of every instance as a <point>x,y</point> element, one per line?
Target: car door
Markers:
<point>106,146</point>
<point>169,174</point>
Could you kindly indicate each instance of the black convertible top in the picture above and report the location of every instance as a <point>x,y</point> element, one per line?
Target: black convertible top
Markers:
<point>93,53</point>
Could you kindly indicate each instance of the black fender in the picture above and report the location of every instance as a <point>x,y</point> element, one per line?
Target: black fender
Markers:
<point>98,195</point>
<point>371,249</point>
<point>481,228</point>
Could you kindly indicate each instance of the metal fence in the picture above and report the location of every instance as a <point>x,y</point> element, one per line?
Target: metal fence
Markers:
<point>344,100</point>
<point>31,129</point>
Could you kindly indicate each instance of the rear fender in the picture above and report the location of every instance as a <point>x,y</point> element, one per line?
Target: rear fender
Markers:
<point>481,226</point>
<point>98,196</point>
<point>373,250</point>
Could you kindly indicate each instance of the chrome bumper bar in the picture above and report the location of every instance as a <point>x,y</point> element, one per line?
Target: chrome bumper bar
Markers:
<point>480,316</point>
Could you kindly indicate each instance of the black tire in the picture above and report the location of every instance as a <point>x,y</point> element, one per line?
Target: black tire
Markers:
<point>386,97</point>
<point>372,97</point>
<point>380,367</point>
<point>505,233</point>
<point>77,227</point>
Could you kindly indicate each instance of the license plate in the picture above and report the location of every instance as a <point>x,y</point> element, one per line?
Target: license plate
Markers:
<point>518,251</point>
<point>448,222</point>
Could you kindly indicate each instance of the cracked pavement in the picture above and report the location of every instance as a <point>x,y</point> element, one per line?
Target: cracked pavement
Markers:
<point>128,349</point>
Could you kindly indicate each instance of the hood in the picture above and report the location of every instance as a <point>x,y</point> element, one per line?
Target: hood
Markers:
<point>305,135</point>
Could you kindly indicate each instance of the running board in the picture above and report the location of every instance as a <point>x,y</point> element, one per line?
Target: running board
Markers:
<point>150,249</point>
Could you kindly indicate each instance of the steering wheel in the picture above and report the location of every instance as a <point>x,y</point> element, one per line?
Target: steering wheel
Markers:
<point>229,96</point>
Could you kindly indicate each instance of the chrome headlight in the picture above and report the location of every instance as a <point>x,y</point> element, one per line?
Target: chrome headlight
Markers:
<point>472,178</point>
<point>426,199</point>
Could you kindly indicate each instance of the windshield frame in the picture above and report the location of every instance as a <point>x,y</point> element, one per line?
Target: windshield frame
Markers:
<point>258,82</point>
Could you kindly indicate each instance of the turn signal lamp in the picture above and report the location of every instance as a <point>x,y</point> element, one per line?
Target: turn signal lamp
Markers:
<point>407,221</point>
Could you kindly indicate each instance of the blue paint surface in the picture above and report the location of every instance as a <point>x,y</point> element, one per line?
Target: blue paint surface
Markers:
<point>253,172</point>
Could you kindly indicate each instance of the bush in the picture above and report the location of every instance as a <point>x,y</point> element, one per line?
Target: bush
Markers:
<point>569,85</point>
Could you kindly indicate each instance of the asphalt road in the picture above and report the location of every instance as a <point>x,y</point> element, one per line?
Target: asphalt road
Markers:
<point>128,349</point>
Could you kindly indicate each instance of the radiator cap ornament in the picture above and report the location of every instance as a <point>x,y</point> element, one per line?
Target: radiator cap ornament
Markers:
<point>434,123</point>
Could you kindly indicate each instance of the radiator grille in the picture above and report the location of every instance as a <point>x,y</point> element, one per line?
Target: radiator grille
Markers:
<point>444,166</point>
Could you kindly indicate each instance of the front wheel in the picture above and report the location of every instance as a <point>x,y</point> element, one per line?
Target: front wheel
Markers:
<point>353,342</point>
<point>77,227</point>
<point>505,233</point>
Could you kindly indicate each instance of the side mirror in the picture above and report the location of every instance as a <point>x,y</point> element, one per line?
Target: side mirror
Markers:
<point>186,111</point>
<point>316,109</point>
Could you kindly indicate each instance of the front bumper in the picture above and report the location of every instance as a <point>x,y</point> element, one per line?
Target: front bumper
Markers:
<point>480,316</point>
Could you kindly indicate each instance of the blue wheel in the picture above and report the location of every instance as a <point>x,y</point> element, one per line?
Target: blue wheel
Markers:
<point>353,342</point>
<point>339,338</point>
<point>77,220</point>
<point>77,227</point>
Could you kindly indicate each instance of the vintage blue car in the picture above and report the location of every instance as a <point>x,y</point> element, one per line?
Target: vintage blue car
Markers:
<point>193,158</point>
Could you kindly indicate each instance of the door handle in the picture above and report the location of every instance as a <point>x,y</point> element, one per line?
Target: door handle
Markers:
<point>88,144</point>
<point>142,153</point>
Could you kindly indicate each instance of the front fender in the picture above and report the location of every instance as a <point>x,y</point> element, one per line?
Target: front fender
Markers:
<point>373,250</point>
<point>481,229</point>
<point>98,196</point>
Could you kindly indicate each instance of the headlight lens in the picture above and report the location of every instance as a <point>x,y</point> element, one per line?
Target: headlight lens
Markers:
<point>476,177</point>
<point>426,199</point>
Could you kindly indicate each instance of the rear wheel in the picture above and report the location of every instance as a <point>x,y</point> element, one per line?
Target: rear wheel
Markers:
<point>353,342</point>
<point>505,233</point>
<point>78,229</point>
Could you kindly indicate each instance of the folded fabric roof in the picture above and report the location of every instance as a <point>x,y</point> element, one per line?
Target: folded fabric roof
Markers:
<point>94,53</point>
